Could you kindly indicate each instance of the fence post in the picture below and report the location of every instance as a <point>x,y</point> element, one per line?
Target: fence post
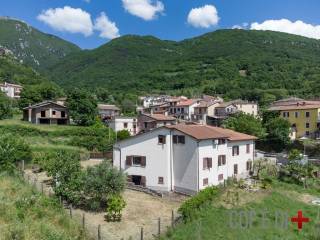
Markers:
<point>70,207</point>
<point>141,234</point>
<point>22,166</point>
<point>172,219</point>
<point>83,221</point>
<point>159,227</point>
<point>99,232</point>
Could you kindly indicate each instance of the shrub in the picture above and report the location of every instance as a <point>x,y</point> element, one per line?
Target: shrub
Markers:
<point>115,206</point>
<point>12,150</point>
<point>189,208</point>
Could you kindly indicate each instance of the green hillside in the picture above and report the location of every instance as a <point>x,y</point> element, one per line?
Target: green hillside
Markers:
<point>12,71</point>
<point>32,47</point>
<point>257,65</point>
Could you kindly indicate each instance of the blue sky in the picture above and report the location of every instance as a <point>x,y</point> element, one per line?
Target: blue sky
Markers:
<point>165,19</point>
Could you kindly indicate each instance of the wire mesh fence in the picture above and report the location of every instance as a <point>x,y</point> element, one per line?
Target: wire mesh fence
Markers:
<point>103,231</point>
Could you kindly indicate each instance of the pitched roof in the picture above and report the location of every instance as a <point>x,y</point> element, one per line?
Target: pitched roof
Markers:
<point>160,117</point>
<point>203,132</point>
<point>225,104</point>
<point>45,103</point>
<point>296,106</point>
<point>187,102</point>
<point>108,107</point>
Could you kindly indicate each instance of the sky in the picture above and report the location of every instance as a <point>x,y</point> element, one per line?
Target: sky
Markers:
<point>91,23</point>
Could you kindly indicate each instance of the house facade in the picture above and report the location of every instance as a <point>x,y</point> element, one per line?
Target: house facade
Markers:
<point>184,158</point>
<point>46,113</point>
<point>107,111</point>
<point>183,109</point>
<point>304,117</point>
<point>11,90</point>
<point>124,123</point>
<point>147,122</point>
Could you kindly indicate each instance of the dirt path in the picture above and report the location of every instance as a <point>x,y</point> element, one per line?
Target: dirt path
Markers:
<point>142,210</point>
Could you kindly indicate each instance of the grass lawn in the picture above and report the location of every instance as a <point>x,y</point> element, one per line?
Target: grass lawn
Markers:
<point>260,215</point>
<point>26,214</point>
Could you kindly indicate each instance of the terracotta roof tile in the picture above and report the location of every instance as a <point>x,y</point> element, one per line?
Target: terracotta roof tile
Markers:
<point>202,132</point>
<point>160,117</point>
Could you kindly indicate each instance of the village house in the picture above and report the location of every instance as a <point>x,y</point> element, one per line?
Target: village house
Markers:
<point>107,111</point>
<point>147,122</point>
<point>303,115</point>
<point>11,90</point>
<point>184,158</point>
<point>47,112</point>
<point>120,123</point>
<point>149,101</point>
<point>205,109</point>
<point>183,108</point>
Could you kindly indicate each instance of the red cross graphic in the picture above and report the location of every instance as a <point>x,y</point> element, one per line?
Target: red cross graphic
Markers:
<point>300,219</point>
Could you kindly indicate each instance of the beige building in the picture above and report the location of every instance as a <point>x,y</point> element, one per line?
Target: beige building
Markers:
<point>47,112</point>
<point>11,90</point>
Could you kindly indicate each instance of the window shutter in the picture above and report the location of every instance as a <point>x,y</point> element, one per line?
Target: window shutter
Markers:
<point>209,162</point>
<point>183,140</point>
<point>223,159</point>
<point>129,161</point>
<point>143,181</point>
<point>164,139</point>
<point>205,163</point>
<point>143,161</point>
<point>233,150</point>
<point>175,139</point>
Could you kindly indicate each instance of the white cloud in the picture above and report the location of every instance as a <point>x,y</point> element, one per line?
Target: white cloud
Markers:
<point>236,27</point>
<point>203,17</point>
<point>145,9</point>
<point>107,28</point>
<point>87,1</point>
<point>242,26</point>
<point>285,25</point>
<point>68,19</point>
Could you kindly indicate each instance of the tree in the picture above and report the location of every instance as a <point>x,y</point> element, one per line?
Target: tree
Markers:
<point>101,182</point>
<point>245,123</point>
<point>82,107</point>
<point>33,94</point>
<point>123,134</point>
<point>5,107</point>
<point>278,133</point>
<point>12,150</point>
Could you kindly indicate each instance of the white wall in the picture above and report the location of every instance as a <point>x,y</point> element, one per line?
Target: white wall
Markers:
<point>208,149</point>
<point>117,124</point>
<point>157,158</point>
<point>185,164</point>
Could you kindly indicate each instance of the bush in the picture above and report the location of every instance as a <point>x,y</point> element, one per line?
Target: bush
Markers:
<point>115,206</point>
<point>12,150</point>
<point>101,182</point>
<point>189,208</point>
<point>123,134</point>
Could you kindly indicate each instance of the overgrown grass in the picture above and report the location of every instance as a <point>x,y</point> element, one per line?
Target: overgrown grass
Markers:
<point>216,221</point>
<point>26,214</point>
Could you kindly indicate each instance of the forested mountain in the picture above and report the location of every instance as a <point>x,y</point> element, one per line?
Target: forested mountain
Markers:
<point>256,65</point>
<point>30,46</point>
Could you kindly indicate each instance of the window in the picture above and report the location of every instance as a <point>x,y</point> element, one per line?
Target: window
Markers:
<point>248,148</point>
<point>179,139</point>
<point>249,166</point>
<point>207,163</point>
<point>53,112</point>
<point>221,160</point>
<point>285,114</point>
<point>307,133</point>
<point>160,180</point>
<point>145,125</point>
<point>294,125</point>
<point>220,177</point>
<point>205,181</point>
<point>125,125</point>
<point>161,139</point>
<point>235,169</point>
<point>63,114</point>
<point>296,114</point>
<point>43,113</point>
<point>221,141</point>
<point>307,125</point>
<point>307,114</point>
<point>235,150</point>
<point>136,161</point>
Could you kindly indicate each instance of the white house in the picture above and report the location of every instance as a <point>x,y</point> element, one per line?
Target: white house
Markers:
<point>184,158</point>
<point>11,90</point>
<point>124,123</point>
